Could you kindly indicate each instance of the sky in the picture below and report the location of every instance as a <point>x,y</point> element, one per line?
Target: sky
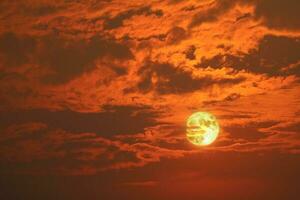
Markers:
<point>95,95</point>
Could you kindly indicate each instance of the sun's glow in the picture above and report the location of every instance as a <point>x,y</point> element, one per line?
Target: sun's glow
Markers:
<point>202,128</point>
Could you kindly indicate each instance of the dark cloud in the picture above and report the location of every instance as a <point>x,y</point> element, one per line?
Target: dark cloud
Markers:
<point>29,8</point>
<point>174,1</point>
<point>15,50</point>
<point>38,149</point>
<point>235,116</point>
<point>44,151</point>
<point>39,10</point>
<point>250,131</point>
<point>279,14</point>
<point>229,98</point>
<point>68,59</point>
<point>244,16</point>
<point>190,53</point>
<point>252,175</point>
<point>232,97</point>
<point>64,58</point>
<point>118,70</point>
<point>292,127</point>
<point>117,21</point>
<point>175,35</point>
<point>272,55</point>
<point>113,120</point>
<point>213,13</point>
<point>165,78</point>
<point>275,13</point>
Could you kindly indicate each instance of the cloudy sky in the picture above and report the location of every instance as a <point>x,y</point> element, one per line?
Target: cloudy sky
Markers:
<point>95,95</point>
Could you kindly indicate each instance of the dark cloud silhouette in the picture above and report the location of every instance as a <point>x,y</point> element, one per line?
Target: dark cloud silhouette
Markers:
<point>235,116</point>
<point>213,13</point>
<point>231,176</point>
<point>232,97</point>
<point>175,35</point>
<point>40,10</point>
<point>272,55</point>
<point>165,78</point>
<point>113,120</point>
<point>279,14</point>
<point>29,8</point>
<point>244,16</point>
<point>229,98</point>
<point>292,127</point>
<point>15,50</point>
<point>69,59</point>
<point>249,131</point>
<point>64,58</point>
<point>190,53</point>
<point>117,21</point>
<point>275,13</point>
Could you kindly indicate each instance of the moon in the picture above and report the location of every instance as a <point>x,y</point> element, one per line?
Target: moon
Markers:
<point>202,128</point>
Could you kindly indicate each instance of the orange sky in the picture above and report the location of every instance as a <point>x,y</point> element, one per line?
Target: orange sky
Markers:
<point>94,95</point>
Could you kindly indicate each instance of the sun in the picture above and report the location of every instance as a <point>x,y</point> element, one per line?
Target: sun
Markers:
<point>202,128</point>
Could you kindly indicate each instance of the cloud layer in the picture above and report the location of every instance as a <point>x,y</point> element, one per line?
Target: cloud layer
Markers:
<point>105,87</point>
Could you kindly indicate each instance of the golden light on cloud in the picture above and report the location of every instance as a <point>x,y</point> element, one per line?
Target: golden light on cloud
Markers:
<point>202,128</point>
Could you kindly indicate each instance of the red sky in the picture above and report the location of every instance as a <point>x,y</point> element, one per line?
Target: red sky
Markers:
<point>94,96</point>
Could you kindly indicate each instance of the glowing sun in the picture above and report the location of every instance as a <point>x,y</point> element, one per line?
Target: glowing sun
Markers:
<point>202,128</point>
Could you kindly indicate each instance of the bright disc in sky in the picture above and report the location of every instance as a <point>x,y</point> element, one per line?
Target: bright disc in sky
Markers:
<point>202,128</point>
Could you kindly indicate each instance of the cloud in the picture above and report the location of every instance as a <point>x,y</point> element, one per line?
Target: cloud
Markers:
<point>111,121</point>
<point>118,20</point>
<point>291,126</point>
<point>73,153</point>
<point>250,131</point>
<point>212,13</point>
<point>63,58</point>
<point>272,55</point>
<point>165,78</point>
<point>278,14</point>
<point>190,52</point>
<point>76,153</point>
<point>144,154</point>
<point>175,35</point>
<point>274,13</point>
<point>141,184</point>
<point>69,59</point>
<point>81,58</point>
<point>39,9</point>
<point>15,50</point>
<point>229,98</point>
<point>19,131</point>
